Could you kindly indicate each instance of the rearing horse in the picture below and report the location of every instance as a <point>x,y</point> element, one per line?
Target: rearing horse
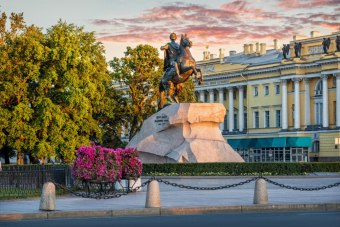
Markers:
<point>187,67</point>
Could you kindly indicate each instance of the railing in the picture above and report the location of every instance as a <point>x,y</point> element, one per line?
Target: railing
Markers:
<point>19,182</point>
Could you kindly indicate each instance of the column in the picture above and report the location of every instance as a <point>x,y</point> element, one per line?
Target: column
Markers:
<point>337,107</point>
<point>325,123</point>
<point>315,111</point>
<point>220,99</point>
<point>297,124</point>
<point>284,106</point>
<point>231,109</point>
<point>211,95</point>
<point>240,108</point>
<point>201,95</point>
<point>307,102</point>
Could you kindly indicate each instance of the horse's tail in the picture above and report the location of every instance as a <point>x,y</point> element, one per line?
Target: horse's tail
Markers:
<point>161,100</point>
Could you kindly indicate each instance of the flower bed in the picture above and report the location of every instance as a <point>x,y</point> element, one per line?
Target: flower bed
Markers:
<point>131,165</point>
<point>105,164</point>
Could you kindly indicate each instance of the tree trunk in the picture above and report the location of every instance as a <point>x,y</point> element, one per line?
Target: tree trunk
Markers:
<point>6,158</point>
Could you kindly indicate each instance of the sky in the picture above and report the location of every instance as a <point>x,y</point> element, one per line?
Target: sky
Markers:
<point>215,23</point>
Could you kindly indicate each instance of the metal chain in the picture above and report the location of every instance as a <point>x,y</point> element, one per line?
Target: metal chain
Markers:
<point>97,195</point>
<point>206,188</point>
<point>301,189</point>
<point>114,194</point>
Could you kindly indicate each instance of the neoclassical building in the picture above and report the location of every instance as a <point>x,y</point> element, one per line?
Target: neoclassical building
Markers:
<point>278,110</point>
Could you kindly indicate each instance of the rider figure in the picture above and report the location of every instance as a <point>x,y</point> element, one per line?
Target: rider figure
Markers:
<point>171,55</point>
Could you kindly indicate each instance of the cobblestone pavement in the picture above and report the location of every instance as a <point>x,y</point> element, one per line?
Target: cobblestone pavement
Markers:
<point>177,197</point>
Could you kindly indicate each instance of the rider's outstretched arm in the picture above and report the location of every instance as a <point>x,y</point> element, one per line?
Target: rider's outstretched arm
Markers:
<point>165,47</point>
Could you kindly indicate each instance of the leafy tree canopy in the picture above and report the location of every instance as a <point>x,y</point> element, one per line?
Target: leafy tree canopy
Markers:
<point>55,89</point>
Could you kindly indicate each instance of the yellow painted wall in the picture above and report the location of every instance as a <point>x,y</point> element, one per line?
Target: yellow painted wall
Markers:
<point>327,144</point>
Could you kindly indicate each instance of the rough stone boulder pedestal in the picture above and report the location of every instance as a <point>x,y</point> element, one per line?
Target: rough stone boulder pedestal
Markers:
<point>184,132</point>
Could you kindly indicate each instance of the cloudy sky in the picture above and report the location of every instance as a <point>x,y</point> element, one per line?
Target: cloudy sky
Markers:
<point>219,24</point>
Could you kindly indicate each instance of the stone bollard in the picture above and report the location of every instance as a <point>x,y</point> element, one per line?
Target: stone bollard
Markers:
<point>153,197</point>
<point>47,200</point>
<point>260,193</point>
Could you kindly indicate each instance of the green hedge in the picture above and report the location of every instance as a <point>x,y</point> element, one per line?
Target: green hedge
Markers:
<point>192,169</point>
<point>280,168</point>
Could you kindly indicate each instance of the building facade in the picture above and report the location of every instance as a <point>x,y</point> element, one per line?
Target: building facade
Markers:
<point>281,110</point>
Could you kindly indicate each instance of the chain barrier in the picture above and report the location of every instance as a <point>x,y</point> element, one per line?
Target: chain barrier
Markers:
<point>119,193</point>
<point>300,189</point>
<point>206,188</point>
<point>98,195</point>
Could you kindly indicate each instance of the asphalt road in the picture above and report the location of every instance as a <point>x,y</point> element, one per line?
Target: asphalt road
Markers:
<point>284,219</point>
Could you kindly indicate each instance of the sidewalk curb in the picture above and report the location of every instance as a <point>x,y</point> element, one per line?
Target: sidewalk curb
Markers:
<point>172,211</point>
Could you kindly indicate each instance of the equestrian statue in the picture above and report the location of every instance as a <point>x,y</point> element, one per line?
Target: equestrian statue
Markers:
<point>179,65</point>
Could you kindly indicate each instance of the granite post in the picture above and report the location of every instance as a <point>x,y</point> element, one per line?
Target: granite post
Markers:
<point>260,193</point>
<point>153,197</point>
<point>47,200</point>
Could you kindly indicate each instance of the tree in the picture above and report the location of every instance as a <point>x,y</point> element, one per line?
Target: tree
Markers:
<point>188,93</point>
<point>21,54</point>
<point>140,70</point>
<point>55,90</point>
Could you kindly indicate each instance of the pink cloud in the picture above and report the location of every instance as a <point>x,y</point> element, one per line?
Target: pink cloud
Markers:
<point>230,23</point>
<point>290,4</point>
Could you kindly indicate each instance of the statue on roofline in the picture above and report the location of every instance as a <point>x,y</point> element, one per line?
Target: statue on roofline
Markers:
<point>325,44</point>
<point>337,42</point>
<point>298,47</point>
<point>285,49</point>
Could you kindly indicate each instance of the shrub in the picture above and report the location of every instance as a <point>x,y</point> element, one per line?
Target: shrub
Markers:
<point>277,168</point>
<point>96,162</point>
<point>131,165</point>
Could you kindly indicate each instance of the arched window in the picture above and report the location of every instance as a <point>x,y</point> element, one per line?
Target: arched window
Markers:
<point>318,87</point>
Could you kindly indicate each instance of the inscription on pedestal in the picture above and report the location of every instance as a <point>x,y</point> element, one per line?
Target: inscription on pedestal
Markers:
<point>162,120</point>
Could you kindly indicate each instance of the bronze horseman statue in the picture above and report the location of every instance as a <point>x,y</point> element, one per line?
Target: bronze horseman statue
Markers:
<point>285,49</point>
<point>325,44</point>
<point>179,65</point>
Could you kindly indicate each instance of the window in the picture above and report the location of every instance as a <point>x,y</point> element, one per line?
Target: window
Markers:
<point>266,90</point>
<point>234,95</point>
<point>225,123</point>
<point>205,98</point>
<point>256,119</point>
<point>293,86</point>
<point>245,121</point>
<point>316,146</point>
<point>224,96</point>
<point>318,88</point>
<point>235,121</point>
<point>215,97</point>
<point>278,118</point>
<point>277,89</point>
<point>245,94</point>
<point>256,91</point>
<point>266,119</point>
